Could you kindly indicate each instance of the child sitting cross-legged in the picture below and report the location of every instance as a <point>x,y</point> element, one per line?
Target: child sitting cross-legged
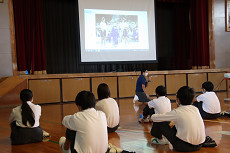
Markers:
<point>109,106</point>
<point>188,134</point>
<point>160,105</point>
<point>87,129</point>
<point>208,103</point>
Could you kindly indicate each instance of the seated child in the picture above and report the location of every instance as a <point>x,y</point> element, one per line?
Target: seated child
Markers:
<point>188,134</point>
<point>208,103</point>
<point>108,106</point>
<point>160,105</point>
<point>24,121</point>
<point>87,129</point>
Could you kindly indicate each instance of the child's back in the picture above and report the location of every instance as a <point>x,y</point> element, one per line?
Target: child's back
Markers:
<point>211,103</point>
<point>110,108</point>
<point>208,103</point>
<point>161,105</point>
<point>91,127</point>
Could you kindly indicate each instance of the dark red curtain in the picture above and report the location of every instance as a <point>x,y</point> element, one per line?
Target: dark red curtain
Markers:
<point>29,35</point>
<point>199,48</point>
<point>181,37</point>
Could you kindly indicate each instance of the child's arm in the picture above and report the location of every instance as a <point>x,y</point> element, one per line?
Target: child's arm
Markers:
<point>199,98</point>
<point>12,116</point>
<point>68,122</point>
<point>169,116</point>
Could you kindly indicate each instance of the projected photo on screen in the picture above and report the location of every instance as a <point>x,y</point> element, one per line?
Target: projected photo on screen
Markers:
<point>117,31</point>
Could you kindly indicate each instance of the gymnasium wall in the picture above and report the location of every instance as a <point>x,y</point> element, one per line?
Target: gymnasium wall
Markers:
<point>5,46</point>
<point>222,45</point>
<point>222,38</point>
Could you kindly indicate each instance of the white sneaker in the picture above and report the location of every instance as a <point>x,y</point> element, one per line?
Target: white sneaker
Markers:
<point>136,108</point>
<point>142,120</point>
<point>170,146</point>
<point>61,144</point>
<point>45,134</point>
<point>162,141</point>
<point>135,99</point>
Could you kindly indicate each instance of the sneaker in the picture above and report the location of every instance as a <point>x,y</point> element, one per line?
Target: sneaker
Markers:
<point>142,120</point>
<point>61,144</point>
<point>135,99</point>
<point>209,142</point>
<point>45,134</point>
<point>170,146</point>
<point>162,141</point>
<point>113,148</point>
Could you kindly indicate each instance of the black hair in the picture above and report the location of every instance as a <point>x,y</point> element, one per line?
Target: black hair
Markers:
<point>186,95</point>
<point>103,91</point>
<point>143,70</point>
<point>208,86</point>
<point>27,113</point>
<point>85,99</point>
<point>161,90</point>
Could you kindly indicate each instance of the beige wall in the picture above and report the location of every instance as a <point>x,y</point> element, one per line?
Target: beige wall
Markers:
<point>222,38</point>
<point>5,46</point>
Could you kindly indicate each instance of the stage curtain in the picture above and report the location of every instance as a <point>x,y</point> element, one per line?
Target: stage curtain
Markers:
<point>199,49</point>
<point>173,34</point>
<point>29,36</point>
<point>181,36</point>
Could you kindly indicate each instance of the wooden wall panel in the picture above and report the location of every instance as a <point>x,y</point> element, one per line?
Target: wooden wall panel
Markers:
<point>71,87</point>
<point>45,91</point>
<point>174,82</point>
<point>196,80</point>
<point>156,80</point>
<point>12,97</point>
<point>110,81</point>
<point>216,79</point>
<point>127,86</point>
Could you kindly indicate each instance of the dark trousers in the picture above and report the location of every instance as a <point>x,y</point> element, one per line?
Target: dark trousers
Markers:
<point>204,114</point>
<point>147,111</point>
<point>142,97</point>
<point>110,130</point>
<point>21,135</point>
<point>163,128</point>
<point>70,135</point>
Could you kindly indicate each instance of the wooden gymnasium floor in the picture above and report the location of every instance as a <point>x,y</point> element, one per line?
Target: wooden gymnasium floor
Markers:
<point>130,136</point>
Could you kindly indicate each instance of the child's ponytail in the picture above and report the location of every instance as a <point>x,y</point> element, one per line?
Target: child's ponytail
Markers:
<point>27,113</point>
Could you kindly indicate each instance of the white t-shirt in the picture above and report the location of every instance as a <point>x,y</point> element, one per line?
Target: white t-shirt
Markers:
<point>110,108</point>
<point>91,130</point>
<point>161,105</point>
<point>16,115</point>
<point>188,122</point>
<point>211,103</point>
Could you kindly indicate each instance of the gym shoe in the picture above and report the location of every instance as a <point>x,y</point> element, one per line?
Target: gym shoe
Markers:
<point>45,134</point>
<point>162,141</point>
<point>135,99</point>
<point>61,144</point>
<point>170,146</point>
<point>209,142</point>
<point>142,120</point>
